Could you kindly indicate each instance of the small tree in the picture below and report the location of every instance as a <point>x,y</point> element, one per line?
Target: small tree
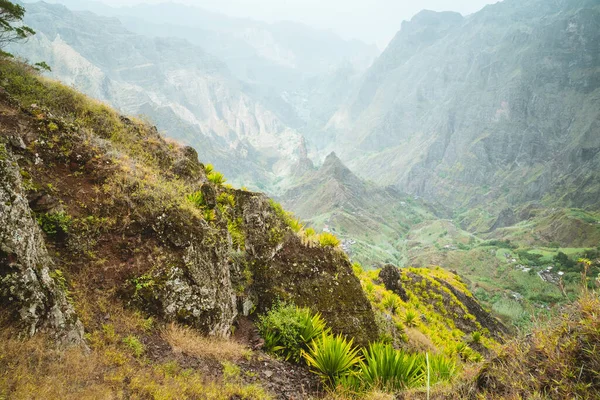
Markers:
<point>11,27</point>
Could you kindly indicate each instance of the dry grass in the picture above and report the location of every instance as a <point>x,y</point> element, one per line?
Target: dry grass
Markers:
<point>418,341</point>
<point>186,340</point>
<point>33,369</point>
<point>375,395</point>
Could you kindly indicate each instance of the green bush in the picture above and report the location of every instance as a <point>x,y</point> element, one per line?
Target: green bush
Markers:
<point>333,358</point>
<point>209,215</point>
<point>287,330</point>
<point>134,345</point>
<point>327,239</point>
<point>295,224</point>
<point>389,369</point>
<point>226,200</point>
<point>466,353</point>
<point>391,302</point>
<point>55,223</point>
<point>411,318</point>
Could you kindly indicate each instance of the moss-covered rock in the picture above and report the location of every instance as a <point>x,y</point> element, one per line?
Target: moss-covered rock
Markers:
<point>286,268</point>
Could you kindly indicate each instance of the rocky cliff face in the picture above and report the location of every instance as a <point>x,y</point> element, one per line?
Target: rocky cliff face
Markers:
<point>499,108</point>
<point>30,289</point>
<point>139,222</point>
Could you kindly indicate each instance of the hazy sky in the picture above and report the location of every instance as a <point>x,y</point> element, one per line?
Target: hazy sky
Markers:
<point>373,21</point>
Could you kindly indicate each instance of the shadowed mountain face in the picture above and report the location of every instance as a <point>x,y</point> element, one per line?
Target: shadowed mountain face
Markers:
<point>496,109</point>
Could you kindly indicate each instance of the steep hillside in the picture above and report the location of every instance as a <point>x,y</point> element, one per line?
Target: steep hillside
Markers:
<point>189,94</point>
<point>492,111</point>
<point>127,213</point>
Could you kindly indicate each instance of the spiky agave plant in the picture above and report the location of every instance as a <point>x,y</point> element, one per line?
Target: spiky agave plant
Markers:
<point>411,318</point>
<point>311,326</point>
<point>196,198</point>
<point>327,239</point>
<point>333,358</point>
<point>441,368</point>
<point>391,302</point>
<point>217,178</point>
<point>389,369</point>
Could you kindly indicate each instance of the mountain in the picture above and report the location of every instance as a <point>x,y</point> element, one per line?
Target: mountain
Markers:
<point>188,93</point>
<point>490,111</point>
<point>282,62</point>
<point>372,220</point>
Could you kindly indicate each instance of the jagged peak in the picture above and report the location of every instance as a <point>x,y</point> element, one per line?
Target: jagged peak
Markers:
<point>334,168</point>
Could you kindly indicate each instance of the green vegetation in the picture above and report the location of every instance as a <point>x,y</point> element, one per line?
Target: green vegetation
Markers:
<point>196,198</point>
<point>55,223</point>
<point>217,178</point>
<point>558,360</point>
<point>287,330</point>
<point>411,318</point>
<point>134,344</point>
<point>333,358</point>
<point>389,369</point>
<point>327,239</point>
<point>11,27</point>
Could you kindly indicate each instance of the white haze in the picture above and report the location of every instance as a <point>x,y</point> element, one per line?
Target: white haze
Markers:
<point>372,21</point>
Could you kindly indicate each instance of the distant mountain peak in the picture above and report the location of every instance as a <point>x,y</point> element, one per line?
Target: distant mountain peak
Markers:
<point>332,161</point>
<point>334,168</point>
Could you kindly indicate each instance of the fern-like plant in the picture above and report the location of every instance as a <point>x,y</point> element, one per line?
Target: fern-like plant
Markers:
<point>333,358</point>
<point>217,178</point>
<point>196,198</point>
<point>327,239</point>
<point>208,168</point>
<point>388,369</point>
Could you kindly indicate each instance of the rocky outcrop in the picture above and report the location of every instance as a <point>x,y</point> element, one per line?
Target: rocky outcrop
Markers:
<point>487,321</point>
<point>285,268</point>
<point>30,288</point>
<point>456,302</point>
<point>390,277</point>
